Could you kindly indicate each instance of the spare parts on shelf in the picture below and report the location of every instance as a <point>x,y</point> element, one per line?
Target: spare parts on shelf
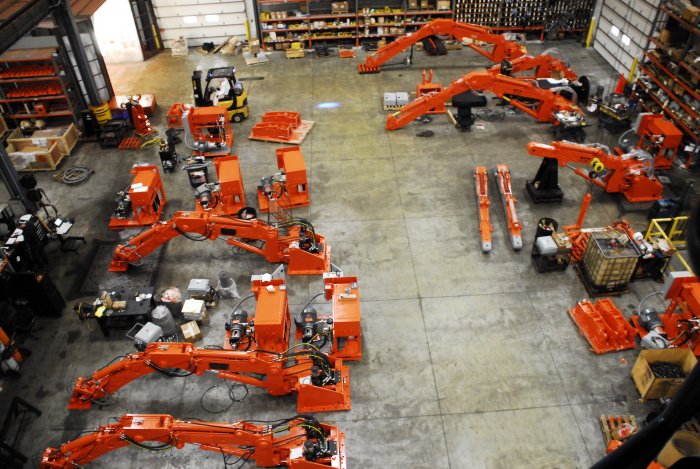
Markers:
<point>299,442</point>
<point>142,203</point>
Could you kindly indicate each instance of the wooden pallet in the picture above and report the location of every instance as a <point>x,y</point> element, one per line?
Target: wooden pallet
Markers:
<point>130,143</point>
<point>298,134</point>
<point>294,53</point>
<point>610,423</point>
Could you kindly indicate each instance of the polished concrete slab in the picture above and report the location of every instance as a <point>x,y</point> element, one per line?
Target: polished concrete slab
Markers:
<point>470,359</point>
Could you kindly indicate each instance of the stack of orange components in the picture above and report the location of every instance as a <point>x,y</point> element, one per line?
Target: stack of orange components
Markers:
<point>24,71</point>
<point>277,126</point>
<point>603,325</point>
<point>34,90</point>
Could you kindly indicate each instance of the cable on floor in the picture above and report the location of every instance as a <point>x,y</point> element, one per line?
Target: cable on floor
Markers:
<point>74,175</point>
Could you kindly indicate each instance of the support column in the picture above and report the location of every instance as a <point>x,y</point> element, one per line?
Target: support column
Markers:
<point>11,180</point>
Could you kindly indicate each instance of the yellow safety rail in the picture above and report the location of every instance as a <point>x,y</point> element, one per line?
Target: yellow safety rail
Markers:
<point>674,234</point>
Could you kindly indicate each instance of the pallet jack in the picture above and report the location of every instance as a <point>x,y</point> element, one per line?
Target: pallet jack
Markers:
<point>481,181</point>
<point>502,175</point>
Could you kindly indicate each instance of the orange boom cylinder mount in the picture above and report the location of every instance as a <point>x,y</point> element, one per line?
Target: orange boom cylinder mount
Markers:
<point>300,442</point>
<point>320,382</point>
<point>305,251</point>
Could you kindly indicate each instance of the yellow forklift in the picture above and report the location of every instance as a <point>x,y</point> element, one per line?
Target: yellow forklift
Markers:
<point>222,89</point>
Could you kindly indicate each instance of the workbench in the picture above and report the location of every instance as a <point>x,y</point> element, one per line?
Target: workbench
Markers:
<point>135,311</point>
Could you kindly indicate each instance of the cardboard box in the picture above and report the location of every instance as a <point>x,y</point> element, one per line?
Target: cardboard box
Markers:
<point>665,36</point>
<point>339,8</point>
<point>652,387</point>
<point>412,5</point>
<point>691,13</point>
<point>254,46</point>
<point>424,5</point>
<point>443,5</point>
<point>190,330</point>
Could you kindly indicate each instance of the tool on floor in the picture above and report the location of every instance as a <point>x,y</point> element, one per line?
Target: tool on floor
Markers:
<point>541,99</point>
<point>320,382</point>
<point>603,325</point>
<point>679,324</point>
<point>295,242</point>
<point>143,202</point>
<point>282,127</point>
<point>502,176</point>
<point>223,194</point>
<point>207,131</point>
<point>221,89</point>
<point>300,442</point>
<point>481,181</point>
<point>287,189</point>
<point>631,174</point>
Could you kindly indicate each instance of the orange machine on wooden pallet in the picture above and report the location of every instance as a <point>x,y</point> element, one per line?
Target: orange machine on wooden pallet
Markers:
<point>142,203</point>
<point>287,189</point>
<point>679,325</point>
<point>603,325</point>
<point>208,132</point>
<point>300,442</point>
<point>282,127</point>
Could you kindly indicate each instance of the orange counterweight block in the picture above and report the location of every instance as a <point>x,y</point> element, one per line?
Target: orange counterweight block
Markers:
<point>660,138</point>
<point>144,201</point>
<point>481,181</point>
<point>320,382</point>
<point>603,325</point>
<point>208,131</point>
<point>300,442</point>
<point>287,189</point>
<point>270,328</point>
<point>427,86</point>
<point>681,321</point>
<point>341,329</point>
<point>227,196</point>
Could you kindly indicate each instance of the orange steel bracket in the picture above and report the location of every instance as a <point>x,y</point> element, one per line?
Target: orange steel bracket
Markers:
<point>502,175</point>
<point>174,117</point>
<point>347,334</point>
<point>578,238</point>
<point>289,188</point>
<point>300,442</point>
<point>481,181</point>
<point>427,86</point>
<point>603,326</point>
<point>147,197</point>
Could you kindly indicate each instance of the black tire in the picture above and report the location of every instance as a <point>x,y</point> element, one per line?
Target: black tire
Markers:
<point>237,118</point>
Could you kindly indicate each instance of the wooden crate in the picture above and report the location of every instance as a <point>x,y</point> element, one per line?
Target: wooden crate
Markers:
<point>653,387</point>
<point>27,157</point>
<point>296,51</point>
<point>65,137</point>
<point>610,423</point>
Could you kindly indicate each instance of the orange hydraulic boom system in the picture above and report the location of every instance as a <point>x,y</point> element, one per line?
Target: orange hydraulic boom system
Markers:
<point>300,442</point>
<point>481,181</point>
<point>542,104</point>
<point>305,251</point>
<point>631,174</point>
<point>502,175</point>
<point>545,65</point>
<point>502,48</point>
<point>320,382</point>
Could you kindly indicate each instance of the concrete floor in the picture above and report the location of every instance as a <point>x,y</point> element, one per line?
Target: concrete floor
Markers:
<point>470,360</point>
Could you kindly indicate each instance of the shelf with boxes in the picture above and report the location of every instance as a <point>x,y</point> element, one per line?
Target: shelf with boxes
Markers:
<point>282,23</point>
<point>669,72</point>
<point>34,85</point>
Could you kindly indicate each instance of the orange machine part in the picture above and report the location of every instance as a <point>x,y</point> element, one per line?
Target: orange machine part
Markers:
<point>174,116</point>
<point>278,246</point>
<point>295,191</point>
<point>502,175</point>
<point>427,86</point>
<point>481,182</point>
<point>210,125</point>
<point>16,356</point>
<point>147,199</point>
<point>231,197</point>
<point>256,441</point>
<point>629,176</point>
<point>272,318</point>
<point>603,325</point>
<point>501,47</point>
<point>661,138</point>
<point>279,374</point>
<point>684,304</point>
<point>278,131</point>
<point>282,117</point>
<point>347,334</point>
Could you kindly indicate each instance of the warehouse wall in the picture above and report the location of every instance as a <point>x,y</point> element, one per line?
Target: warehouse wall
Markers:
<point>200,21</point>
<point>622,31</point>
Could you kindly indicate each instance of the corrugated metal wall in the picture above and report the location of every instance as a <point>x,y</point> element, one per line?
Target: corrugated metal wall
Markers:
<point>200,20</point>
<point>622,31</point>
